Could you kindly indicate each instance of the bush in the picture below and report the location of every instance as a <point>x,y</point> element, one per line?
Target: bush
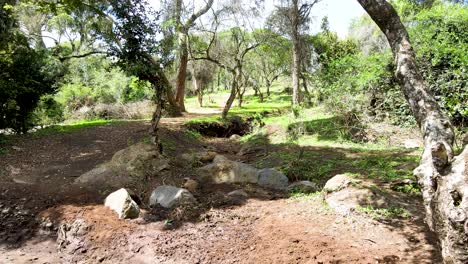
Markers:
<point>48,112</point>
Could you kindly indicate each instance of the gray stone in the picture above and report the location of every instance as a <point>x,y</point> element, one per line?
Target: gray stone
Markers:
<point>234,137</point>
<point>303,186</point>
<point>350,198</point>
<point>138,161</point>
<point>121,202</point>
<point>338,182</point>
<point>219,158</point>
<point>203,156</point>
<point>169,196</point>
<point>223,170</point>
<point>271,178</point>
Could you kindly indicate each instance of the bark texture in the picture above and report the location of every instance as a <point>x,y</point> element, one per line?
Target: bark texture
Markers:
<point>183,30</point>
<point>444,181</point>
<point>295,67</point>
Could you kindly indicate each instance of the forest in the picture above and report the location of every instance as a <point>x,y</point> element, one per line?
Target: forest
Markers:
<point>223,131</point>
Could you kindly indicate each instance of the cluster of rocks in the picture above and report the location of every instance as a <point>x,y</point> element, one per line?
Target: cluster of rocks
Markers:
<point>142,160</point>
<point>219,170</point>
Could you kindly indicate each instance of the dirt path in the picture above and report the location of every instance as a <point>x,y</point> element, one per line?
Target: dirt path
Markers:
<point>266,228</point>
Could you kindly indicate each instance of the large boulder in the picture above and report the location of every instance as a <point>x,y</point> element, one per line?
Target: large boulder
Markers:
<point>138,161</point>
<point>141,159</point>
<point>273,179</point>
<point>351,198</point>
<point>121,202</point>
<point>223,170</point>
<point>338,182</point>
<point>303,187</point>
<point>169,196</point>
<point>199,157</point>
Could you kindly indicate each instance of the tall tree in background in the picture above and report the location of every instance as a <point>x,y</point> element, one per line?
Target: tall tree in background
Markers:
<point>182,28</point>
<point>292,18</point>
<point>228,48</point>
<point>444,181</point>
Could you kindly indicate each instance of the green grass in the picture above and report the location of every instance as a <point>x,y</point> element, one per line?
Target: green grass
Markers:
<point>323,146</point>
<point>72,127</point>
<point>384,213</point>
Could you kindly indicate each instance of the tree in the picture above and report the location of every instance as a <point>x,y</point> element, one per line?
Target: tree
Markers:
<point>270,60</point>
<point>292,19</point>
<point>202,74</point>
<point>183,28</point>
<point>228,49</point>
<point>26,74</point>
<point>444,185</point>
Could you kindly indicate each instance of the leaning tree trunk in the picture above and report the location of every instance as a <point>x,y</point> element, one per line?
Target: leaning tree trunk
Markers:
<point>231,98</point>
<point>444,181</point>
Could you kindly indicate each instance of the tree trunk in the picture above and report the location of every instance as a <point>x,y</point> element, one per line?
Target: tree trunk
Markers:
<point>182,73</point>
<point>444,185</point>
<point>198,89</point>
<point>231,98</point>
<point>174,109</point>
<point>268,85</point>
<point>295,74</point>
<point>155,120</point>
<point>295,68</point>
<point>306,90</point>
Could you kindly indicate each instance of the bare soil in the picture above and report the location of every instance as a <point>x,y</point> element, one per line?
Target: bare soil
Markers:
<point>37,196</point>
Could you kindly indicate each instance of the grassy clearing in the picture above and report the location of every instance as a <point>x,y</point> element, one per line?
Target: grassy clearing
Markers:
<point>75,126</point>
<point>314,144</point>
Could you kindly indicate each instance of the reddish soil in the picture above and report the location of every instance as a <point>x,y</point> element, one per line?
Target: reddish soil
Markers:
<point>268,227</point>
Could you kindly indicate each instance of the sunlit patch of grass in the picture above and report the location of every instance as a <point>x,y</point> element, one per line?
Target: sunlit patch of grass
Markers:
<point>193,134</point>
<point>384,213</point>
<point>300,195</point>
<point>72,127</point>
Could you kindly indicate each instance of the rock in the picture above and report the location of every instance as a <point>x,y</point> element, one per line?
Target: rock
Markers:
<point>350,198</point>
<point>238,193</point>
<point>223,170</point>
<point>271,178</point>
<point>303,186</point>
<point>121,202</point>
<point>71,237</point>
<point>141,159</point>
<point>99,174</point>
<point>251,149</point>
<point>207,156</point>
<point>191,185</point>
<point>338,182</point>
<point>219,158</point>
<point>234,137</point>
<point>170,196</point>
<point>412,144</point>
<point>203,157</point>
<point>138,161</point>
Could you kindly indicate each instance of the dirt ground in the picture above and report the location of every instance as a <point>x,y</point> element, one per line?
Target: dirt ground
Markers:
<point>37,197</point>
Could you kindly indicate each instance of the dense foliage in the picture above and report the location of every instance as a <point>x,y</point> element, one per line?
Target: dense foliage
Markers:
<point>26,74</point>
<point>101,52</point>
<point>359,70</point>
